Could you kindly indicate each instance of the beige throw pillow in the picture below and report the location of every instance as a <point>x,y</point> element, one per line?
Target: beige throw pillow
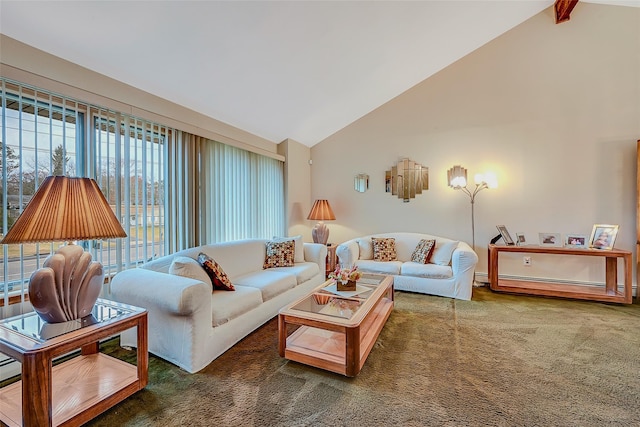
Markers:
<point>442,253</point>
<point>189,267</point>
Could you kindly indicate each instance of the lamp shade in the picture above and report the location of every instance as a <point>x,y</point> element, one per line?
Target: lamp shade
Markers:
<point>321,211</point>
<point>65,209</point>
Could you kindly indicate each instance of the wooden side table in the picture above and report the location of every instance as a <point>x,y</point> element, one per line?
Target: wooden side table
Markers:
<point>74,391</point>
<point>608,293</point>
<point>331,259</point>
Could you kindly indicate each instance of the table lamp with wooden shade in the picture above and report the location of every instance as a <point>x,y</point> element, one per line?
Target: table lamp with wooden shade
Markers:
<point>66,209</point>
<point>321,211</point>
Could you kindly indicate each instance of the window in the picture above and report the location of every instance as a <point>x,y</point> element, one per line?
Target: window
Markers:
<point>45,134</point>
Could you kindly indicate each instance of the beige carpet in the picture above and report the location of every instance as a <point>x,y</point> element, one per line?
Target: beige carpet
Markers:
<point>498,360</point>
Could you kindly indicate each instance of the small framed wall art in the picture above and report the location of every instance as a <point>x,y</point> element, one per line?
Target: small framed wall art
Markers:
<point>550,239</point>
<point>603,236</point>
<point>576,241</point>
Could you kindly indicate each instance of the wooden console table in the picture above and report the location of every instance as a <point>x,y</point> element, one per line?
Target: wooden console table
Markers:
<point>608,293</point>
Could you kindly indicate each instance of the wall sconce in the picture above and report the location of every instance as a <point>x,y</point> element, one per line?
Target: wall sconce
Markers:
<point>321,211</point>
<point>407,179</point>
<point>457,179</point>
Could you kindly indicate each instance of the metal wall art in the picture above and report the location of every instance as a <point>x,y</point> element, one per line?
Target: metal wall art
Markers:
<point>407,179</point>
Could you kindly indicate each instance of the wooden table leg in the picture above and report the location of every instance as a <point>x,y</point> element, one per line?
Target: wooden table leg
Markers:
<point>282,334</point>
<point>143,352</point>
<point>36,390</point>
<point>92,348</point>
<point>493,268</point>
<point>352,351</point>
<point>611,275</point>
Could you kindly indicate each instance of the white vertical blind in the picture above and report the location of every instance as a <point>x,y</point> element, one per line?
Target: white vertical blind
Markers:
<point>246,194</point>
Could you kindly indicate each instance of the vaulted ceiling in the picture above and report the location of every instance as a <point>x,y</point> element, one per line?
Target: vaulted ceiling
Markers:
<point>277,69</point>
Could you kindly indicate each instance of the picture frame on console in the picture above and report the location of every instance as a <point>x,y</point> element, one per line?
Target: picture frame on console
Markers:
<point>520,239</point>
<point>576,241</point>
<point>603,236</point>
<point>550,239</point>
<point>505,235</point>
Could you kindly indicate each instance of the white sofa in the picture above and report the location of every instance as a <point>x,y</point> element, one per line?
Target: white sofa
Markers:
<point>189,325</point>
<point>449,273</point>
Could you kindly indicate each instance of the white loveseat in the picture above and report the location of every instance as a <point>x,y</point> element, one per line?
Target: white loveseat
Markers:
<point>189,325</point>
<point>449,272</point>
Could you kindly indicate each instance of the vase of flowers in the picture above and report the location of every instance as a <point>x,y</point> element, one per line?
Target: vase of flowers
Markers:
<point>346,278</point>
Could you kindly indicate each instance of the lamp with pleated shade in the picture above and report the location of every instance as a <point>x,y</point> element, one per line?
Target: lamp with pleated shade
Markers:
<point>321,211</point>
<point>66,209</point>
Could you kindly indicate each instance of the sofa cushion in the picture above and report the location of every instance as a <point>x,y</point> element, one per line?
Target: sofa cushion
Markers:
<point>302,271</point>
<point>189,267</point>
<point>423,251</point>
<point>370,266</point>
<point>298,244</point>
<point>384,249</point>
<point>431,271</point>
<point>279,254</point>
<point>217,275</point>
<point>229,305</point>
<point>442,253</point>
<point>270,282</point>
<point>366,248</point>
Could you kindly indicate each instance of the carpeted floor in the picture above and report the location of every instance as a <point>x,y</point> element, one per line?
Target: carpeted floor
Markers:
<point>498,360</point>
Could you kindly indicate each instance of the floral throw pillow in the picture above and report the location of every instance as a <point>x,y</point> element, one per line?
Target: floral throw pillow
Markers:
<point>384,249</point>
<point>279,254</point>
<point>218,277</point>
<point>423,251</point>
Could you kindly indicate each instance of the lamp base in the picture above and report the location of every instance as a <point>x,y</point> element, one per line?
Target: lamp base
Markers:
<point>320,233</point>
<point>67,286</point>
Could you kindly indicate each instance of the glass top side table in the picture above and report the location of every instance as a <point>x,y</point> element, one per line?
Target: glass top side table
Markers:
<point>78,389</point>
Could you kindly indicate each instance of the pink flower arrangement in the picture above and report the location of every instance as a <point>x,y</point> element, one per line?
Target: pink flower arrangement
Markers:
<point>345,274</point>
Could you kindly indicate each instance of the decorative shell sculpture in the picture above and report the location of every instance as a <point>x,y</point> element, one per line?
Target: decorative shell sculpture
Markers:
<point>67,286</point>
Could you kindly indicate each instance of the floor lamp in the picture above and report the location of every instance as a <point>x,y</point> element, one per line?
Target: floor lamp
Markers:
<point>457,179</point>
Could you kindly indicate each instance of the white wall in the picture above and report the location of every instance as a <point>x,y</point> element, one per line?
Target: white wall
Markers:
<point>553,110</point>
<point>297,177</point>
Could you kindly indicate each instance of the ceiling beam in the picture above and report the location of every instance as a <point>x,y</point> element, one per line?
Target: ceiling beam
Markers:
<point>563,10</point>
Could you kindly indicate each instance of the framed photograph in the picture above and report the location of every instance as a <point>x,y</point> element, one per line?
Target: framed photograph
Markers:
<point>505,235</point>
<point>576,241</point>
<point>520,239</point>
<point>603,236</point>
<point>550,239</point>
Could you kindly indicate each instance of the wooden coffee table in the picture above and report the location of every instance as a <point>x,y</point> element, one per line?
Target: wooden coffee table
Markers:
<point>336,330</point>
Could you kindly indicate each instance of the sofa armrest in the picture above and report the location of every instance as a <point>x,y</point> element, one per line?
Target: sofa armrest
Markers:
<point>463,259</point>
<point>151,289</point>
<point>316,252</point>
<point>348,253</point>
